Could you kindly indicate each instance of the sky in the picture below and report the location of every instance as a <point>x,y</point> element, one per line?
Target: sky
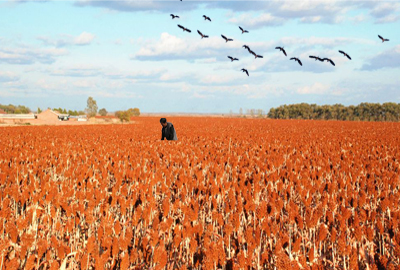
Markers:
<point>128,54</point>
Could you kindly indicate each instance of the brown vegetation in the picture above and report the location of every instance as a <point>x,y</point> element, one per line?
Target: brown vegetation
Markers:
<point>231,194</point>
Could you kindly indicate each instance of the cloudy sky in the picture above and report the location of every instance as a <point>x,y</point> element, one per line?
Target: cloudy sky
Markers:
<point>132,54</point>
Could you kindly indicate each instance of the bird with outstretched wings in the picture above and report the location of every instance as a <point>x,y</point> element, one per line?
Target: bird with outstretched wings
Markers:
<point>316,58</point>
<point>206,18</point>
<point>329,60</point>
<point>226,39</point>
<point>184,28</point>
<point>345,54</point>
<point>383,39</point>
<point>201,34</point>
<point>297,60</point>
<point>233,59</point>
<point>282,50</point>
<point>243,31</point>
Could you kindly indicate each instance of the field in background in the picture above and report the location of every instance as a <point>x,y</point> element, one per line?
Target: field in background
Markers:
<point>230,193</point>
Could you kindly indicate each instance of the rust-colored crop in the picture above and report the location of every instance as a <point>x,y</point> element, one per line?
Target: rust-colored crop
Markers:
<point>239,193</point>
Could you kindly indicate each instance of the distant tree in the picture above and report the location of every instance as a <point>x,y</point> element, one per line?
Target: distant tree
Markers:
<point>61,110</point>
<point>103,112</point>
<point>91,108</point>
<point>241,111</point>
<point>362,112</point>
<point>12,109</point>
<point>134,111</point>
<point>39,110</point>
<point>123,115</point>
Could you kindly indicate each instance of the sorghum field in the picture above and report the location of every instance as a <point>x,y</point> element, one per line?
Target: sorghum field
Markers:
<point>230,194</point>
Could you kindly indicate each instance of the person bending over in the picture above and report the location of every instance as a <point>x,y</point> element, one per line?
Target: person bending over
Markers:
<point>168,131</point>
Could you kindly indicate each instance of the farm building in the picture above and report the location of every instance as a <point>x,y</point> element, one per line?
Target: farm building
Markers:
<point>50,116</point>
<point>16,118</point>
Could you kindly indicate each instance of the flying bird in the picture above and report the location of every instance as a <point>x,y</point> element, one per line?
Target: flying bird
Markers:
<point>316,58</point>
<point>174,16</point>
<point>246,47</point>
<point>206,18</point>
<point>282,50</point>
<point>226,39</point>
<point>297,60</point>
<point>245,70</point>
<point>243,31</point>
<point>345,54</point>
<point>255,55</point>
<point>383,39</point>
<point>329,60</point>
<point>184,29</point>
<point>202,36</point>
<point>233,59</point>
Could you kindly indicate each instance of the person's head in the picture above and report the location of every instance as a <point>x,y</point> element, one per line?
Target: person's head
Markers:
<point>163,122</point>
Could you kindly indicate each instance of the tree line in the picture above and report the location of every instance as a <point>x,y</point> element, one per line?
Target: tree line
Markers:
<point>12,109</point>
<point>91,110</point>
<point>65,111</point>
<point>389,111</point>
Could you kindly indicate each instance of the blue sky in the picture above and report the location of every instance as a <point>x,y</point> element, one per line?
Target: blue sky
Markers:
<point>132,54</point>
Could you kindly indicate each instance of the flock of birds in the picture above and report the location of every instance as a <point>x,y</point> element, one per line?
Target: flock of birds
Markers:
<point>206,18</point>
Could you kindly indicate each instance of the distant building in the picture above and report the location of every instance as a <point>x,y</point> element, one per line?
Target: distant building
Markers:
<point>80,118</point>
<point>47,117</point>
<point>17,116</point>
<point>2,111</point>
<point>50,116</point>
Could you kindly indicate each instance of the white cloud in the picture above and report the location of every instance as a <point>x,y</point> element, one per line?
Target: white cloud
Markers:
<point>207,60</point>
<point>44,84</point>
<point>316,88</point>
<point>171,77</point>
<point>84,39</point>
<point>7,76</point>
<point>101,72</point>
<point>79,71</point>
<point>387,59</point>
<point>359,18</point>
<point>202,96</point>
<point>383,9</point>
<point>311,19</point>
<point>251,22</point>
<point>85,84</point>
<point>26,56</point>
<point>170,47</point>
<point>147,5</point>
<point>388,19</point>
<point>323,41</point>
<point>215,79</point>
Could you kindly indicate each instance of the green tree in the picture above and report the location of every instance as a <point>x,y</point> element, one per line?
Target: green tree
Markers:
<point>12,109</point>
<point>91,108</point>
<point>363,112</point>
<point>271,113</point>
<point>103,112</point>
<point>123,116</point>
<point>134,112</point>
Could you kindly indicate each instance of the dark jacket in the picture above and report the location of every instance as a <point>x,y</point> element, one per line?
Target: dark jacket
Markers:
<point>169,133</point>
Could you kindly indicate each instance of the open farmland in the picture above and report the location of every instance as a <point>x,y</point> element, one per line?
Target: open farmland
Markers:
<point>230,194</point>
